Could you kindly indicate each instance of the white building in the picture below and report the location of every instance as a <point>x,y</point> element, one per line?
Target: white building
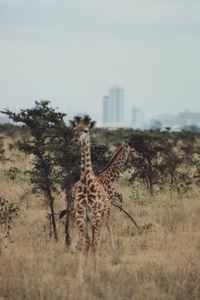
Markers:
<point>137,118</point>
<point>113,107</point>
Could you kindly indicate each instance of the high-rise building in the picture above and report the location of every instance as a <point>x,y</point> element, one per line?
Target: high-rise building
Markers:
<point>188,118</point>
<point>137,118</point>
<point>175,122</point>
<point>113,107</point>
<point>165,120</point>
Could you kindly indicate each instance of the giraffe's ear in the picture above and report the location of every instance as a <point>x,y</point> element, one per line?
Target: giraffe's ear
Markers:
<point>92,124</point>
<point>72,123</point>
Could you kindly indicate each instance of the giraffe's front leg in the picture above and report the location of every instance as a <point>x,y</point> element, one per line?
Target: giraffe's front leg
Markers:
<point>96,230</point>
<point>83,237</point>
<point>83,240</point>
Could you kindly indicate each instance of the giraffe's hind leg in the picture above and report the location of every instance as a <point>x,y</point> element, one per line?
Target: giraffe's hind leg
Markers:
<point>110,232</point>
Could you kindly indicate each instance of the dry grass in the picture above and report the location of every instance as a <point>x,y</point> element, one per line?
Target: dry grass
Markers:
<point>162,262</point>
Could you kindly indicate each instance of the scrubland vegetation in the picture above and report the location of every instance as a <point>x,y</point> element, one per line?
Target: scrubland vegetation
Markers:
<point>160,190</point>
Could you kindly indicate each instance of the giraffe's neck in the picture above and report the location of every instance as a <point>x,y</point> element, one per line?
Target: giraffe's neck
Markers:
<point>116,166</point>
<point>86,164</point>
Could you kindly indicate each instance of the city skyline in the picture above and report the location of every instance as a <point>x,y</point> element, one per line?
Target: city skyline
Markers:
<point>142,122</point>
<point>137,121</point>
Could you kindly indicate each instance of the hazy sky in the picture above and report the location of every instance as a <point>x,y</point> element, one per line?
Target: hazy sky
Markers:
<point>71,52</point>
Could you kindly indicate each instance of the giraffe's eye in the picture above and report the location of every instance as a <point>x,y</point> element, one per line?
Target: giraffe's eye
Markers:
<point>85,130</point>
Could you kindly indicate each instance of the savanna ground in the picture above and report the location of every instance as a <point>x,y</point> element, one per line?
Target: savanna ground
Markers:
<point>160,262</point>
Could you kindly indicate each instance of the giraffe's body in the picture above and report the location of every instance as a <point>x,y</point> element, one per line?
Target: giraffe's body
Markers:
<point>91,201</point>
<point>108,175</point>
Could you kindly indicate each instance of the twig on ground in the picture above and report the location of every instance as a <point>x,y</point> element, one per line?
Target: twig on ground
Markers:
<point>128,215</point>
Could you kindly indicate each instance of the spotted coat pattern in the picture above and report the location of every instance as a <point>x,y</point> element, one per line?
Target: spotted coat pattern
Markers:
<point>91,201</point>
<point>113,169</point>
<point>108,175</point>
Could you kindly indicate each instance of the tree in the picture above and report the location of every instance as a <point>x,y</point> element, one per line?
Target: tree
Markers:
<point>40,121</point>
<point>148,164</point>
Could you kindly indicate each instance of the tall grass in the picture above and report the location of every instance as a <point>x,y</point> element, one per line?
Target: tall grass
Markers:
<point>162,261</point>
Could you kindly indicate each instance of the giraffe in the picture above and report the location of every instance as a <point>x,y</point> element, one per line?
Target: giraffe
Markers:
<point>113,169</point>
<point>107,176</point>
<point>91,201</point>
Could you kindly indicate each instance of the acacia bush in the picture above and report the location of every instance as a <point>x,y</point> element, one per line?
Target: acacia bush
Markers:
<point>164,159</point>
<point>39,120</point>
<point>149,164</point>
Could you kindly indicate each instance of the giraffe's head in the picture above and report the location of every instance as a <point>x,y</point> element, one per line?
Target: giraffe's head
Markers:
<point>81,127</point>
